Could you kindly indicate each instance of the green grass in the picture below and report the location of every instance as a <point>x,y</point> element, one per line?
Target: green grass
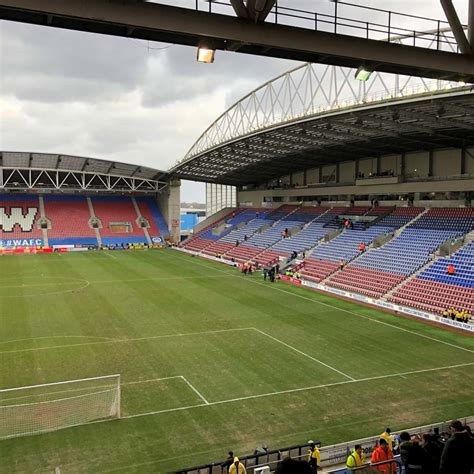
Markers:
<point>275,363</point>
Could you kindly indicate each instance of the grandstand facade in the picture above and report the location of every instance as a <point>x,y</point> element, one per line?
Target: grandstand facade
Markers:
<point>65,201</point>
<point>370,187</point>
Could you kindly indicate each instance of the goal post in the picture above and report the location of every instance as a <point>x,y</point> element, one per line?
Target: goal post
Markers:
<point>49,407</point>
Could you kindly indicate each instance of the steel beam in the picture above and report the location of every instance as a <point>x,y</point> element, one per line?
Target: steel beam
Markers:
<point>456,26</point>
<point>157,22</point>
<point>470,31</point>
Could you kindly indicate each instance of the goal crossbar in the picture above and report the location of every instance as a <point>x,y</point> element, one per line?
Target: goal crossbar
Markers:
<point>44,410</point>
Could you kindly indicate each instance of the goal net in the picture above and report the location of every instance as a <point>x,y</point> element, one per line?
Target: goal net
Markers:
<point>50,407</point>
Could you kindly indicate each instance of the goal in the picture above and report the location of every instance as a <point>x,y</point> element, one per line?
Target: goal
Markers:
<point>54,406</point>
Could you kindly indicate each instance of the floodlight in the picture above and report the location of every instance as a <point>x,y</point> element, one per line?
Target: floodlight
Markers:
<point>205,55</point>
<point>363,74</point>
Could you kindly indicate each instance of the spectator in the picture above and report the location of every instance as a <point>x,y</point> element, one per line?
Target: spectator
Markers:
<point>411,454</point>
<point>457,456</point>
<point>341,264</point>
<point>245,237</point>
<point>265,273</point>
<point>387,436</point>
<point>451,270</point>
<point>314,458</point>
<point>381,453</point>
<point>292,466</point>
<point>237,243</point>
<point>432,457</point>
<point>237,467</point>
<point>356,458</point>
<point>362,247</point>
<point>230,459</point>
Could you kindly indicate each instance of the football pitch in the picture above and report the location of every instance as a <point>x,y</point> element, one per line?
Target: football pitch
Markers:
<point>212,360</point>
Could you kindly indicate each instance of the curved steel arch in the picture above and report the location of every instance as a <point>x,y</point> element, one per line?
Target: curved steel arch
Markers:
<point>307,91</point>
<point>304,92</point>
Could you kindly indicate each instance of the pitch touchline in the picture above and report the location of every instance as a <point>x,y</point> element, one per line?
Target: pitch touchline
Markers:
<point>330,306</point>
<point>294,390</point>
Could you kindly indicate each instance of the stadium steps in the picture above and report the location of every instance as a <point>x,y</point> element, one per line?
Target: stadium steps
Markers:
<point>139,217</point>
<point>469,237</point>
<point>401,229</point>
<point>43,215</point>
<point>208,224</point>
<point>93,216</point>
<point>247,255</point>
<point>387,295</point>
<point>310,250</point>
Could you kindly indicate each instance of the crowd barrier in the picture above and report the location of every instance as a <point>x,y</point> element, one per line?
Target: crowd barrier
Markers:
<point>330,455</point>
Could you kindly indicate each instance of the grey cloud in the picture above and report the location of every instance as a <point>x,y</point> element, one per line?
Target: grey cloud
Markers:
<point>115,98</point>
<point>175,74</point>
<point>46,64</point>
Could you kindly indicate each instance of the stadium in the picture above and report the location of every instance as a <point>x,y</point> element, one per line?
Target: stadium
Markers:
<point>327,295</point>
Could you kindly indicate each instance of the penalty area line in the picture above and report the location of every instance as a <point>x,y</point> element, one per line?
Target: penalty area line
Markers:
<point>294,390</point>
<point>195,390</point>
<point>306,355</point>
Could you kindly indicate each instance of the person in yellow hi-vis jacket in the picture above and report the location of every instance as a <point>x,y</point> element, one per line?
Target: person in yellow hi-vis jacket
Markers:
<point>237,467</point>
<point>356,458</point>
<point>314,458</point>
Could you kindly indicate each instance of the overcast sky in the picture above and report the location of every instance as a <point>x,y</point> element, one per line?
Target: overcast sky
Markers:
<point>127,100</point>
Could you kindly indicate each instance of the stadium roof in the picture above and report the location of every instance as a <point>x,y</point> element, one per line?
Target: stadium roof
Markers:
<point>319,115</point>
<point>77,163</point>
<point>48,171</point>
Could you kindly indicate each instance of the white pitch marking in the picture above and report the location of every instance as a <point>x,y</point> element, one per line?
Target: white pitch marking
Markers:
<point>334,307</point>
<point>197,277</point>
<point>57,337</point>
<point>109,255</point>
<point>304,354</point>
<point>134,382</point>
<point>198,393</point>
<point>294,390</point>
<point>114,341</point>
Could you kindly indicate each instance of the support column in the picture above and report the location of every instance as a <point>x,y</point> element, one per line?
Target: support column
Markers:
<point>463,160</point>
<point>456,26</point>
<point>430,163</point>
<point>402,165</point>
<point>470,31</point>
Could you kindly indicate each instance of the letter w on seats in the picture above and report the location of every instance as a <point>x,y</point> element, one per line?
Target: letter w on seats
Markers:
<point>8,222</point>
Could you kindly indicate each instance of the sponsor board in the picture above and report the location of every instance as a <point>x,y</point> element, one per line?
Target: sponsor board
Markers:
<point>296,281</point>
<point>21,243</point>
<point>157,240</point>
<point>393,307</point>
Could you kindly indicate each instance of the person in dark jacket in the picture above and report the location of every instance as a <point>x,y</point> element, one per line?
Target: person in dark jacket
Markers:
<point>432,451</point>
<point>457,457</point>
<point>229,461</point>
<point>411,454</point>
